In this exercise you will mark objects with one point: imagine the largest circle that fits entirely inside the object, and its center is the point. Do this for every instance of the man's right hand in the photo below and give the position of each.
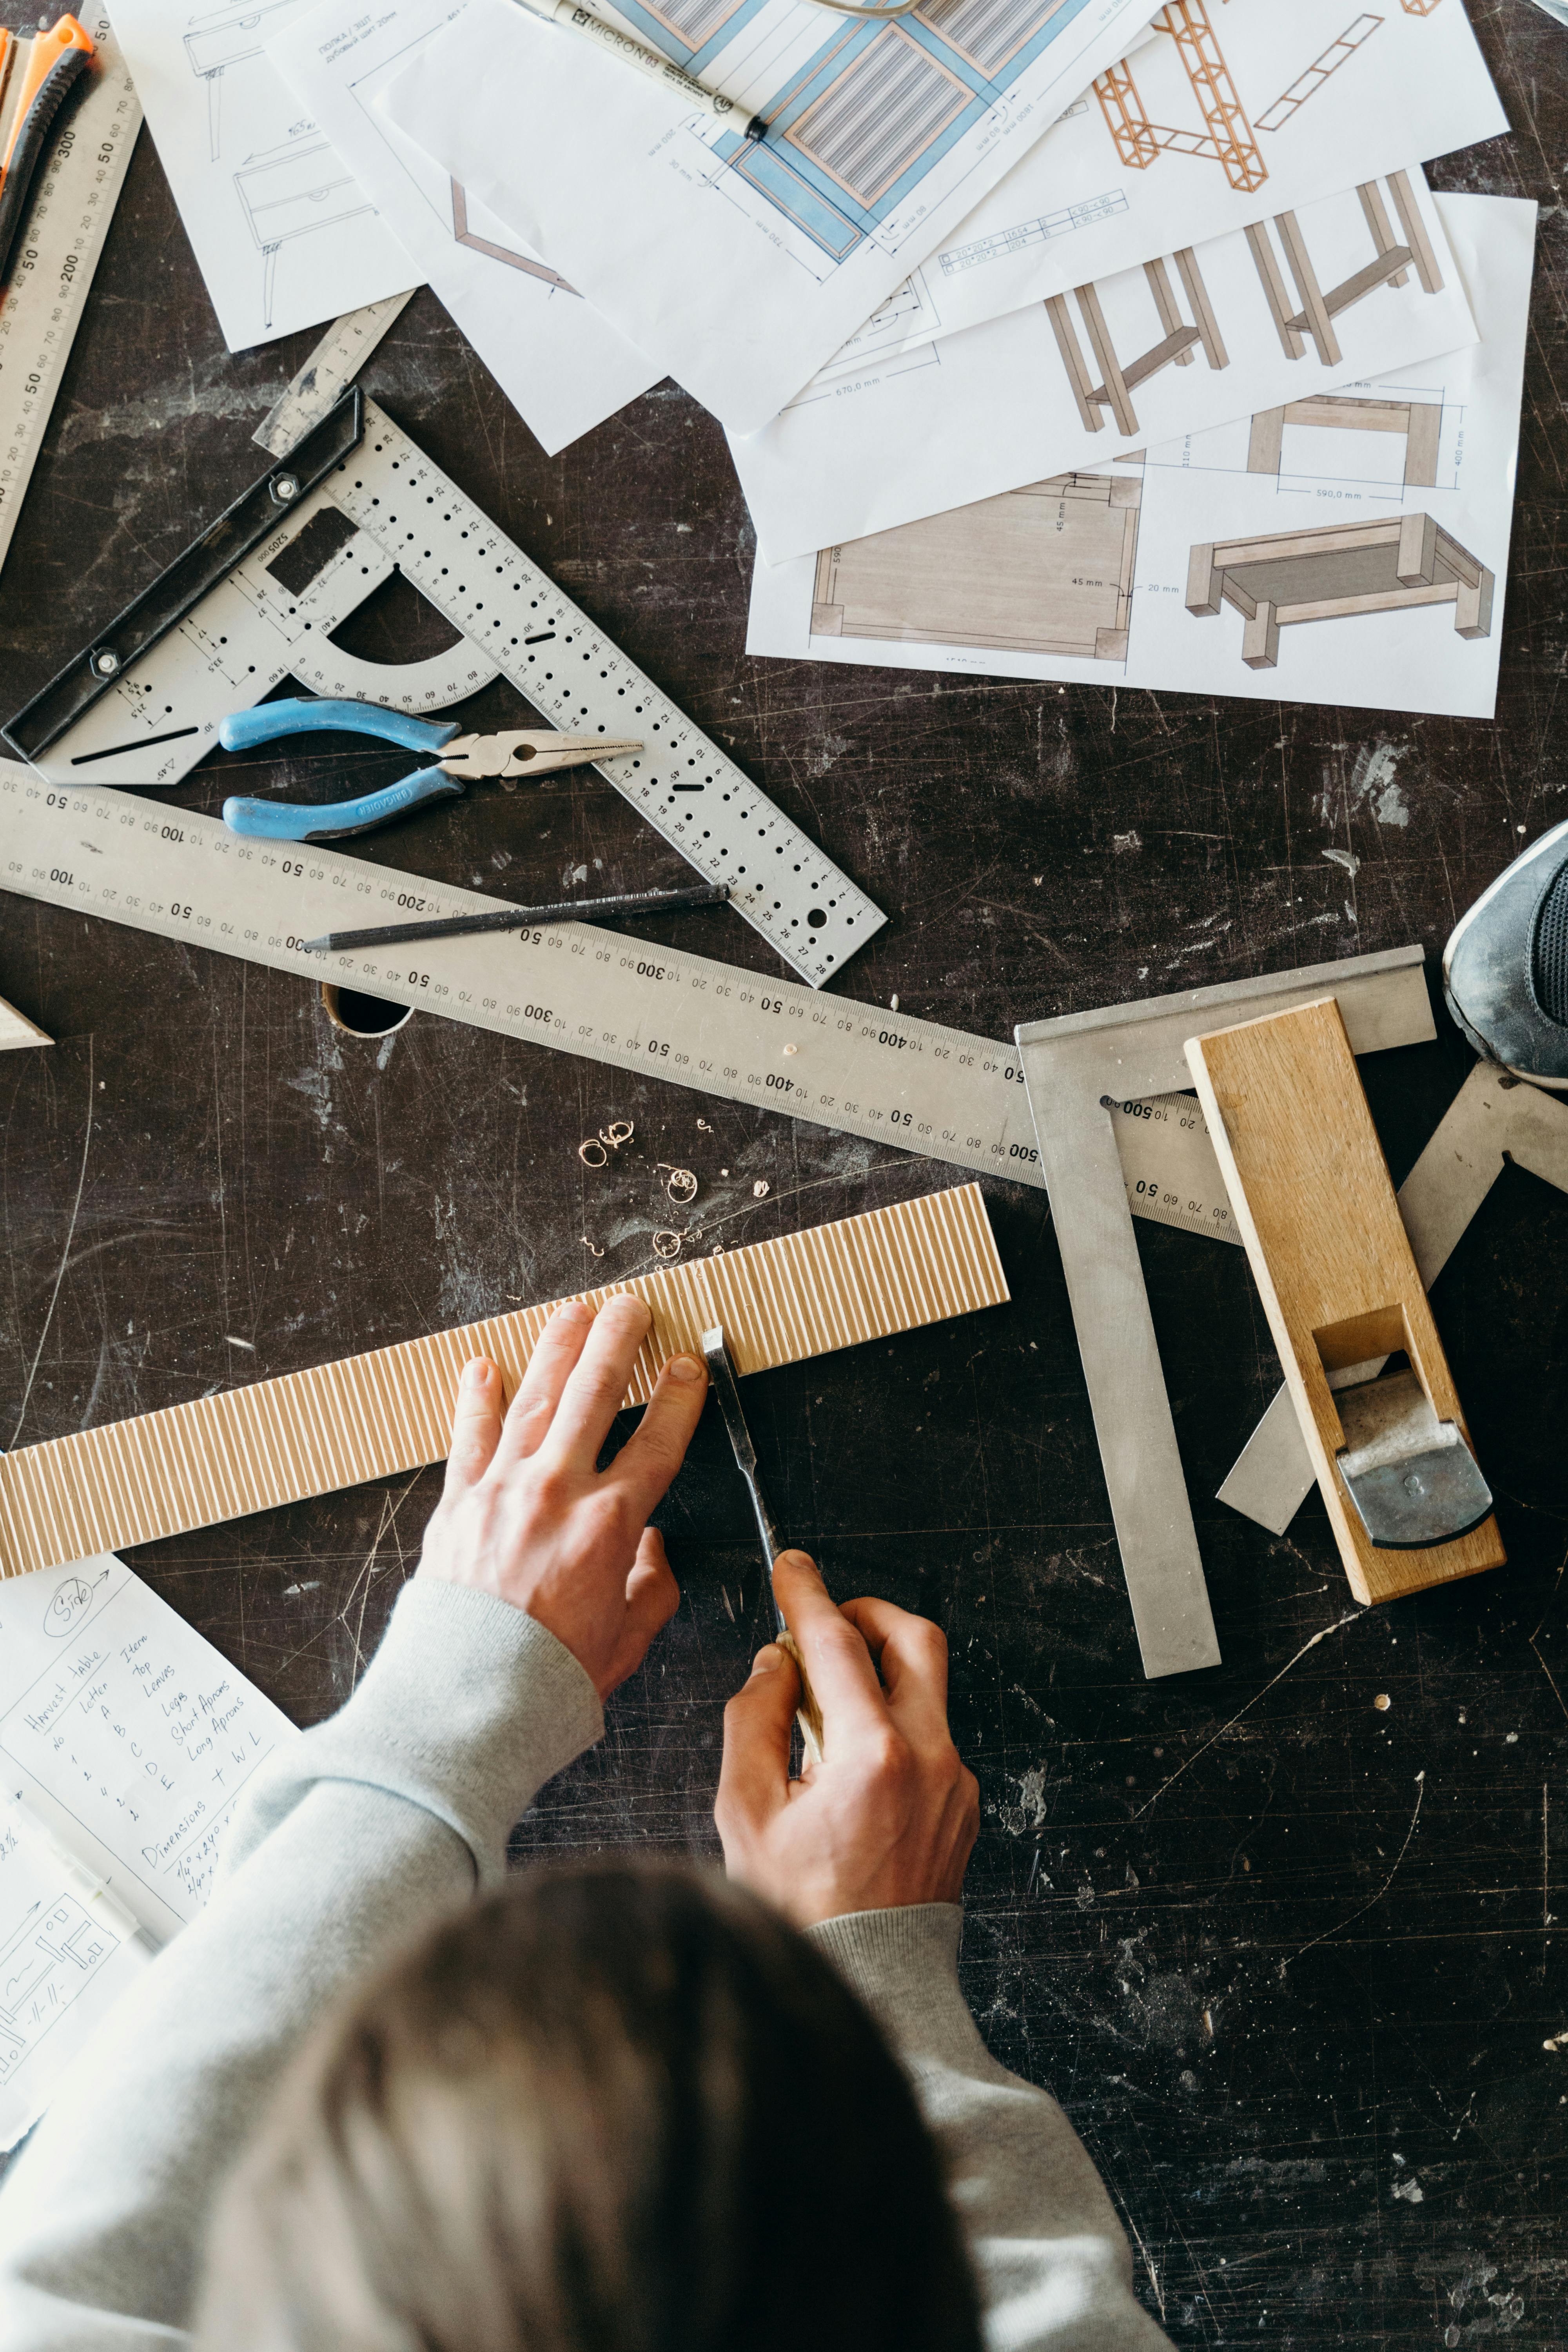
(889, 1815)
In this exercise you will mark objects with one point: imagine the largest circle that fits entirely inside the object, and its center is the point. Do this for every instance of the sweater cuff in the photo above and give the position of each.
(904, 1965)
(467, 1708)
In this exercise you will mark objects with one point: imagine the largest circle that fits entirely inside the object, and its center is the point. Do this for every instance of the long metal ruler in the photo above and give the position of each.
(686, 1018)
(72, 205)
(388, 508)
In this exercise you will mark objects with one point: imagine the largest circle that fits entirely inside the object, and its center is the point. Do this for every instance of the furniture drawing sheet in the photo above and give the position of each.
(560, 362)
(741, 267)
(126, 1733)
(1169, 348)
(1346, 549)
(68, 1952)
(1235, 111)
(283, 235)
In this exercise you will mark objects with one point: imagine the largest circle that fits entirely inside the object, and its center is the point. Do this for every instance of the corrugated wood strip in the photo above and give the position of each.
(310, 1433)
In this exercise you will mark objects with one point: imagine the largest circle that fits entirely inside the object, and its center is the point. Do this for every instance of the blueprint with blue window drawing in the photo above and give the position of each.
(738, 266)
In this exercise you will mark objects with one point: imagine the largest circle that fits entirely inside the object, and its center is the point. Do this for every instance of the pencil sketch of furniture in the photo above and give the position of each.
(1420, 421)
(227, 38)
(477, 244)
(1308, 82)
(1119, 381)
(1391, 266)
(1226, 137)
(290, 193)
(1045, 569)
(1337, 573)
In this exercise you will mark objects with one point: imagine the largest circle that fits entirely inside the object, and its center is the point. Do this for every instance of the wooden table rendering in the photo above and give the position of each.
(1281, 1936)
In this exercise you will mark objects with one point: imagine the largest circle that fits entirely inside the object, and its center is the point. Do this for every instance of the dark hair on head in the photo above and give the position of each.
(617, 2109)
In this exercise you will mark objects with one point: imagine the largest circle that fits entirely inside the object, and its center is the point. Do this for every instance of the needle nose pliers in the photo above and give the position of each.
(519, 753)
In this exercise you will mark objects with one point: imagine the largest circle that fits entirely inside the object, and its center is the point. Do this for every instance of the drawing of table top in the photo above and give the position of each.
(1338, 573)
(1047, 569)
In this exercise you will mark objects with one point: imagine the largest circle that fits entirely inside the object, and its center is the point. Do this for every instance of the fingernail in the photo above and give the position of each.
(576, 1310)
(476, 1374)
(797, 1560)
(768, 1660)
(686, 1368)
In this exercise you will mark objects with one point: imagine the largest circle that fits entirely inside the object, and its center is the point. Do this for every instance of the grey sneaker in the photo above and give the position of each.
(1505, 969)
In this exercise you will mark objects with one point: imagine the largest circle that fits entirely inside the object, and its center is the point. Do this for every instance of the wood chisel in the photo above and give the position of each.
(722, 1374)
(36, 78)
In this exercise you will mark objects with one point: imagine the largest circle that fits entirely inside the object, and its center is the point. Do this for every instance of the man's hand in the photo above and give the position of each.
(525, 1514)
(889, 1815)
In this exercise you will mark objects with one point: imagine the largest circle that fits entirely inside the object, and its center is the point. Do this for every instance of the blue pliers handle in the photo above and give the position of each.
(287, 820)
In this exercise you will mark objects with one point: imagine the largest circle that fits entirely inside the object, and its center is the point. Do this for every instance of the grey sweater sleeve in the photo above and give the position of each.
(1052, 2261)
(349, 1842)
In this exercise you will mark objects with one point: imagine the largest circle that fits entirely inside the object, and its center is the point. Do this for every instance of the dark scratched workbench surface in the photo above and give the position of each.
(1287, 1958)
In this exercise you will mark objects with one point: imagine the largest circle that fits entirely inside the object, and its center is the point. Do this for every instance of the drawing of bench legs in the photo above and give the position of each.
(1337, 573)
(290, 192)
(1118, 382)
(1420, 421)
(1389, 266)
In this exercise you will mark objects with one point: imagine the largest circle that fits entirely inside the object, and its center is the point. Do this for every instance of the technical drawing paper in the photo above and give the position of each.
(1306, 100)
(1138, 358)
(67, 1953)
(126, 1732)
(739, 266)
(1108, 577)
(283, 235)
(562, 365)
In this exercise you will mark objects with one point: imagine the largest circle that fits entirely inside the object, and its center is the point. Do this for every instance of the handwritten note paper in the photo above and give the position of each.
(67, 1952)
(127, 1732)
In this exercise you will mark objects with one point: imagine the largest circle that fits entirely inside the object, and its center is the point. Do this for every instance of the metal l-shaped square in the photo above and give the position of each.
(1074, 1068)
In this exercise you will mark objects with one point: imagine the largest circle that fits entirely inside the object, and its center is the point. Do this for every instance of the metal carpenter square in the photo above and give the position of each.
(331, 368)
(390, 508)
(1076, 1068)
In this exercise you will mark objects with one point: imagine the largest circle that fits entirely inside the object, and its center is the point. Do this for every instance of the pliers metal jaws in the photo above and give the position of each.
(517, 752)
(522, 753)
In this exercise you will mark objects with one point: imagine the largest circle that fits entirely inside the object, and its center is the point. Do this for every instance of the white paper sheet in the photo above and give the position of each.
(283, 235)
(739, 267)
(1091, 579)
(1324, 97)
(126, 1732)
(68, 1952)
(562, 365)
(877, 442)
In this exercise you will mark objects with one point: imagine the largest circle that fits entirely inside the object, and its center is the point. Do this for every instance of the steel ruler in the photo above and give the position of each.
(686, 1018)
(388, 508)
(331, 367)
(72, 204)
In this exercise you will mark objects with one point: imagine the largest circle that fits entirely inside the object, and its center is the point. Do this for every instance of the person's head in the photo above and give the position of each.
(616, 2109)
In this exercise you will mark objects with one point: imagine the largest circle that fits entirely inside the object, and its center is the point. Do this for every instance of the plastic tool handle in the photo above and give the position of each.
(37, 107)
(287, 821)
(243, 730)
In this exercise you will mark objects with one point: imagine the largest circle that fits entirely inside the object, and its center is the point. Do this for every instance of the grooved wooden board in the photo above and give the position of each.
(370, 1417)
